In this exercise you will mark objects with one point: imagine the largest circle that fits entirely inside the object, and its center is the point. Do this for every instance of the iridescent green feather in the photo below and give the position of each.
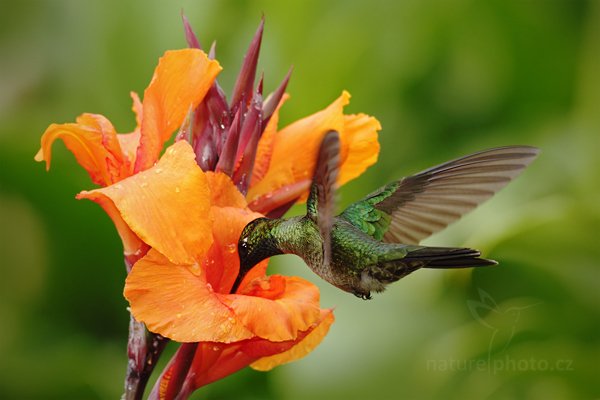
(365, 216)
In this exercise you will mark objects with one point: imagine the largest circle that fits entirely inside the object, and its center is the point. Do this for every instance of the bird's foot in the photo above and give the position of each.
(364, 296)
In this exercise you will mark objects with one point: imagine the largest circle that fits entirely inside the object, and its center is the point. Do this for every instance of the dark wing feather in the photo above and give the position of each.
(321, 202)
(413, 208)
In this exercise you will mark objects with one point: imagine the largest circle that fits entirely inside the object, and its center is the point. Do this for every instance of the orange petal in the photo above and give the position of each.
(93, 141)
(137, 108)
(167, 206)
(214, 361)
(258, 271)
(295, 310)
(223, 192)
(180, 82)
(132, 244)
(361, 148)
(130, 141)
(265, 145)
(295, 148)
(178, 304)
(301, 349)
(222, 263)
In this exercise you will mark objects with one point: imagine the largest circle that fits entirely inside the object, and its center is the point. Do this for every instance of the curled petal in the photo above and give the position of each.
(130, 141)
(222, 263)
(257, 272)
(93, 141)
(180, 82)
(280, 309)
(294, 154)
(302, 348)
(138, 109)
(166, 206)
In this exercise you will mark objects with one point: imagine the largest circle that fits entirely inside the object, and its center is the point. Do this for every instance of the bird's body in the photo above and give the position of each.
(359, 263)
(375, 241)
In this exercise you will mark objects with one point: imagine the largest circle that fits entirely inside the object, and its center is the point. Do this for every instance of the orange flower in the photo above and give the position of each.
(180, 81)
(183, 292)
(180, 222)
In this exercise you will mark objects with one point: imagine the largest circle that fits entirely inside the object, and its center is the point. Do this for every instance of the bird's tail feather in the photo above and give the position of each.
(447, 257)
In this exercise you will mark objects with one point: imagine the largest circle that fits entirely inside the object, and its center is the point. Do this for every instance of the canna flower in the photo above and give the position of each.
(268, 321)
(180, 81)
(180, 215)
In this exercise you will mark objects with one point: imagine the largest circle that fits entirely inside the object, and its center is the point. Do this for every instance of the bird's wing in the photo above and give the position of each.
(411, 209)
(321, 201)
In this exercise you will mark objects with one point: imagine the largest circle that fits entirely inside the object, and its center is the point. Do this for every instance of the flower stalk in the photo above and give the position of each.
(143, 351)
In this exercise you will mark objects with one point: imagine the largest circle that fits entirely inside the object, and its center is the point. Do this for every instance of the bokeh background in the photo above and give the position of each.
(444, 78)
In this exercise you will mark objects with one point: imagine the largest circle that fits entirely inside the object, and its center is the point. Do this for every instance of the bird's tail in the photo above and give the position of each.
(446, 257)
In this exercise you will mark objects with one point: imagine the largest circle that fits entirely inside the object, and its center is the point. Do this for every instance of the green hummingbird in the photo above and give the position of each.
(375, 241)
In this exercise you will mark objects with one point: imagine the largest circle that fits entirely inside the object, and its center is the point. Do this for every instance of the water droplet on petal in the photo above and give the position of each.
(143, 184)
(177, 190)
(158, 170)
(195, 268)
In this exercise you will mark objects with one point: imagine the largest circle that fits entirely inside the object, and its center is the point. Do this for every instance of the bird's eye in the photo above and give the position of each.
(243, 247)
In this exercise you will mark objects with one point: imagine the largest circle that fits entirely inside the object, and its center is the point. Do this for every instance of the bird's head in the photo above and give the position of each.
(256, 243)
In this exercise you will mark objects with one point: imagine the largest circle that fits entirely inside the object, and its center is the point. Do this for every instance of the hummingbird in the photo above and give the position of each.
(375, 241)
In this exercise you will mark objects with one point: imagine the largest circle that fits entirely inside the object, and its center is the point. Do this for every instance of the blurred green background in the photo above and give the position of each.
(444, 78)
